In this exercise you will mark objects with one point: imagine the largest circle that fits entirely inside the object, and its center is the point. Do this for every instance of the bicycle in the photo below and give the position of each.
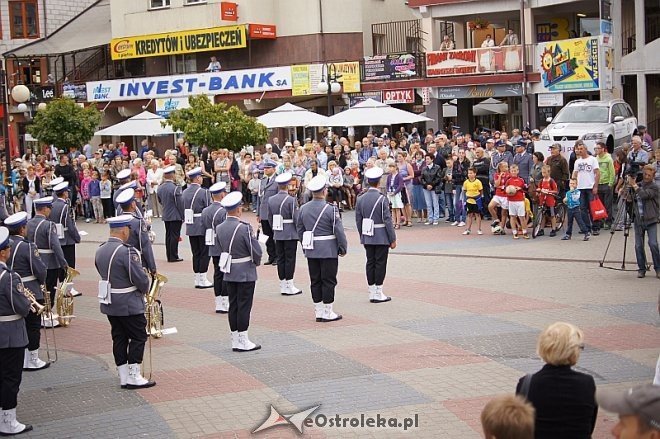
(542, 213)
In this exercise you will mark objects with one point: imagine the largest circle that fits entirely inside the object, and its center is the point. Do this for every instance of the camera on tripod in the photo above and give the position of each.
(634, 169)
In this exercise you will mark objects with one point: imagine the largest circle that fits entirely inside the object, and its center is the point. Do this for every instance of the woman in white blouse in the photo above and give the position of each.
(154, 179)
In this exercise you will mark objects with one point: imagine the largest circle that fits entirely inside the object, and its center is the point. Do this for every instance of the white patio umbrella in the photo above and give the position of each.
(289, 115)
(143, 124)
(371, 113)
(490, 106)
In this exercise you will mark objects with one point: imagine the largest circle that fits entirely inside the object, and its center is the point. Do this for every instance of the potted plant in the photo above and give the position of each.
(478, 23)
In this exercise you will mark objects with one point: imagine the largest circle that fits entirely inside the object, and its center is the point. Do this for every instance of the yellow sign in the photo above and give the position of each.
(175, 43)
(300, 84)
(350, 76)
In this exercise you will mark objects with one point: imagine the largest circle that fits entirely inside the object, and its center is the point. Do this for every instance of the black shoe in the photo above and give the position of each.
(541, 233)
(143, 386)
(595, 232)
(553, 233)
(641, 274)
(217, 311)
(176, 260)
(380, 301)
(269, 262)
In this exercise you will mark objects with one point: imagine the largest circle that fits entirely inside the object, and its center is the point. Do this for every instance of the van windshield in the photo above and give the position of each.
(583, 114)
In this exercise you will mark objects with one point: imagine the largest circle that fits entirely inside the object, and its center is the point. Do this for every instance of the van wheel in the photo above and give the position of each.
(610, 145)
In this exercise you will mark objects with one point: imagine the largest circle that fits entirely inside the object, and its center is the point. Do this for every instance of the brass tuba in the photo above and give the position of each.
(154, 308)
(64, 299)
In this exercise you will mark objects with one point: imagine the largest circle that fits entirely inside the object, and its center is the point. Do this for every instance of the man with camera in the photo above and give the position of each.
(637, 154)
(646, 203)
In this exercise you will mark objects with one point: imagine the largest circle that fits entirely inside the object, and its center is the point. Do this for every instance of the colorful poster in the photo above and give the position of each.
(350, 76)
(569, 65)
(465, 62)
(175, 43)
(389, 67)
(300, 85)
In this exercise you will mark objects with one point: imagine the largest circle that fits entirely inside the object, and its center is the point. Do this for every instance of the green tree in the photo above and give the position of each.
(217, 126)
(64, 123)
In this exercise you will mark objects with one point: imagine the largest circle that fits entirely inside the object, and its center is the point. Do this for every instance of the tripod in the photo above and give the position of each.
(626, 215)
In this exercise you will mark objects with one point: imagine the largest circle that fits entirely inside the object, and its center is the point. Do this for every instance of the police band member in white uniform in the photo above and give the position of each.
(123, 177)
(282, 218)
(43, 233)
(240, 254)
(14, 307)
(169, 196)
(121, 295)
(139, 237)
(62, 215)
(26, 262)
(267, 188)
(212, 217)
(195, 200)
(321, 233)
(374, 224)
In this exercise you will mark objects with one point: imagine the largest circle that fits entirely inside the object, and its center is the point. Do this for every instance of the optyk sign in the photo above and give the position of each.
(228, 82)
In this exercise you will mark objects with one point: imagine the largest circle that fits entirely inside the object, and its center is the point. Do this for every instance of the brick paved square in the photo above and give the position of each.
(351, 394)
(347, 337)
(643, 312)
(500, 348)
(622, 337)
(411, 356)
(274, 344)
(457, 326)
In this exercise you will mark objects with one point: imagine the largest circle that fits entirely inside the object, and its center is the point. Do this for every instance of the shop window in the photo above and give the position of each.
(27, 72)
(24, 19)
(186, 63)
(156, 4)
(194, 2)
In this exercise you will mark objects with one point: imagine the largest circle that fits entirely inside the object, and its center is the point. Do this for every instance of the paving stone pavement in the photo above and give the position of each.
(461, 328)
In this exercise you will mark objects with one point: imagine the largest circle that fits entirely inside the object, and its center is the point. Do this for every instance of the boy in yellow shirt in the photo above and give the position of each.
(473, 190)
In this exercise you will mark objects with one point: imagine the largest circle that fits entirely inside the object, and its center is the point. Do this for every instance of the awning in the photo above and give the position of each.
(91, 28)
(143, 124)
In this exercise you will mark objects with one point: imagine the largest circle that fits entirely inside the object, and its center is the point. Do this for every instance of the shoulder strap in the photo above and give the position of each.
(192, 203)
(319, 218)
(282, 204)
(380, 197)
(214, 216)
(13, 257)
(231, 242)
(112, 258)
(524, 388)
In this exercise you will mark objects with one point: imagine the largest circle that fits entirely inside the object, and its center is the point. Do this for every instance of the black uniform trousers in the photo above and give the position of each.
(219, 288)
(270, 243)
(286, 258)
(11, 373)
(33, 328)
(70, 256)
(323, 279)
(241, 295)
(172, 236)
(200, 254)
(376, 263)
(129, 334)
(52, 277)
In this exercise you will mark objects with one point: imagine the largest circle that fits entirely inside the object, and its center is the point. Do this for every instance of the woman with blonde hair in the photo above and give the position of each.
(564, 399)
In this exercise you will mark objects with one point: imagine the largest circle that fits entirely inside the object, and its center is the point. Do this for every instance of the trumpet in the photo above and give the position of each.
(35, 306)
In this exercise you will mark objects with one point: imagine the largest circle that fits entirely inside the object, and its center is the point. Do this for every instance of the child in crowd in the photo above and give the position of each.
(500, 199)
(106, 195)
(95, 197)
(253, 187)
(448, 190)
(508, 417)
(515, 191)
(349, 182)
(88, 211)
(546, 190)
(394, 187)
(473, 190)
(572, 201)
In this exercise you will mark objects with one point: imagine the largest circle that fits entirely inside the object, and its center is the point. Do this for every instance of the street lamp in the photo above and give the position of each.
(329, 86)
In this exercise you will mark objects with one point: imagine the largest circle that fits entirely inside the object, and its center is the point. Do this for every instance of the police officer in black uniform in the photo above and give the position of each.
(169, 195)
(121, 295)
(14, 307)
(321, 233)
(26, 262)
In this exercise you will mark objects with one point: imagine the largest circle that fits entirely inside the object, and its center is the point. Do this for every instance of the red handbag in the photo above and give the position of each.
(597, 209)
